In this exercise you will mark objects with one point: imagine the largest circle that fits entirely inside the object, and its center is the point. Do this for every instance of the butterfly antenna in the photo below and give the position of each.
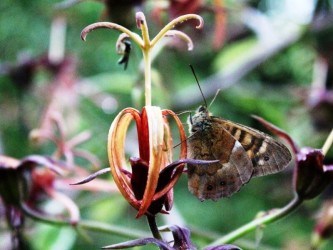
(183, 112)
(195, 76)
(216, 94)
(185, 139)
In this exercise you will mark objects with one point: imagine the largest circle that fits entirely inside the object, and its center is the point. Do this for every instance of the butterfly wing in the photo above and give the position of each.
(222, 179)
(268, 156)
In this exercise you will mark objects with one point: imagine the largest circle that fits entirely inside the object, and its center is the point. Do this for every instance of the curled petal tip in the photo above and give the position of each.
(201, 22)
(91, 27)
(83, 37)
(182, 36)
(94, 26)
(84, 34)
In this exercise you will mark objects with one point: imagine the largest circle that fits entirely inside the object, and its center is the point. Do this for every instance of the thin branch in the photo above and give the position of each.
(268, 219)
(85, 224)
(328, 143)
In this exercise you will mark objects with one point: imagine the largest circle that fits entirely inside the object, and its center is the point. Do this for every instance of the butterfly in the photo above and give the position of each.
(243, 153)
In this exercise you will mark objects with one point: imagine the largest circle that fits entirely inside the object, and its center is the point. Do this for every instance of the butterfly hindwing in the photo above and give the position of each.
(222, 179)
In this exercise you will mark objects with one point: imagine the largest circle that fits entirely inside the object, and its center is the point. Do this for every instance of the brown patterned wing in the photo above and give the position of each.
(214, 181)
(268, 156)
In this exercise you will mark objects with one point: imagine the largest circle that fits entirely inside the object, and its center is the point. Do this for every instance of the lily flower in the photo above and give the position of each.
(19, 187)
(144, 185)
(148, 187)
(21, 182)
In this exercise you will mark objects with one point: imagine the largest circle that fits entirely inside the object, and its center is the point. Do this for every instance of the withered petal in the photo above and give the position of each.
(116, 152)
(171, 173)
(223, 247)
(328, 168)
(7, 162)
(153, 115)
(140, 242)
(45, 161)
(182, 134)
(92, 176)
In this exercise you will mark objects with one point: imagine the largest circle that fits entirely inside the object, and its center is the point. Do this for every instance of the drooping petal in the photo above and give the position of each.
(116, 152)
(170, 174)
(153, 115)
(92, 176)
(71, 207)
(140, 242)
(182, 135)
(223, 247)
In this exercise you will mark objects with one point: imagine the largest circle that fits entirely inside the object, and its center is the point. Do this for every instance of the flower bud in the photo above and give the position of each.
(310, 179)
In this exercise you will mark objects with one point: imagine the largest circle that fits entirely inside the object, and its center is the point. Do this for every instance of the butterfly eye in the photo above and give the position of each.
(202, 109)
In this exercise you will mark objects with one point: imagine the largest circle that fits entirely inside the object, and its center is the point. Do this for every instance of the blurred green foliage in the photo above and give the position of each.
(277, 89)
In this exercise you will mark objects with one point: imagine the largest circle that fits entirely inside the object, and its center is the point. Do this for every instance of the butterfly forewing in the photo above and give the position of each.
(268, 156)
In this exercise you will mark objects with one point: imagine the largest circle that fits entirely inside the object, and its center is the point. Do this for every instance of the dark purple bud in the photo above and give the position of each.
(181, 236)
(310, 178)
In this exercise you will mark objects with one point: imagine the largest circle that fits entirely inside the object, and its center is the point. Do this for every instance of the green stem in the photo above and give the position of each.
(146, 50)
(147, 68)
(251, 226)
(328, 143)
(85, 224)
(153, 227)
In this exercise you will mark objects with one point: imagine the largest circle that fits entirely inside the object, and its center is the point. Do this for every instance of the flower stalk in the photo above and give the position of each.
(154, 137)
(148, 187)
(267, 219)
(93, 226)
(328, 143)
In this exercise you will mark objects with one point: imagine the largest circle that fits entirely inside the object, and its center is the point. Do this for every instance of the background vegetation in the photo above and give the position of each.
(269, 58)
